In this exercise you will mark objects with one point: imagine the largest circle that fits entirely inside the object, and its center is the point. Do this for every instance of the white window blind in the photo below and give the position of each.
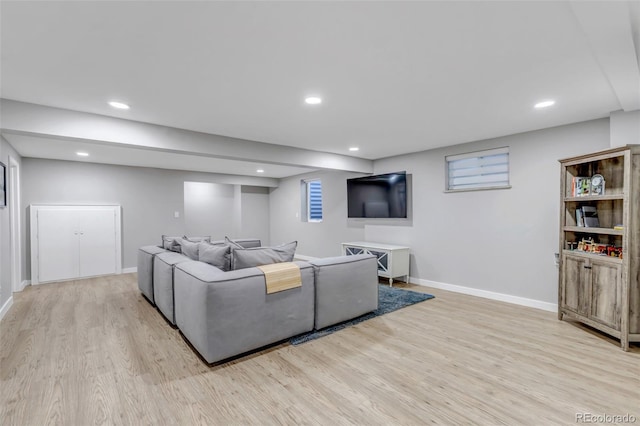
(478, 170)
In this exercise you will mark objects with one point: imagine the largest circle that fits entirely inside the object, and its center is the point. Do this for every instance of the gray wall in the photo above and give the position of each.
(501, 241)
(316, 239)
(255, 214)
(6, 150)
(625, 128)
(209, 209)
(219, 210)
(149, 197)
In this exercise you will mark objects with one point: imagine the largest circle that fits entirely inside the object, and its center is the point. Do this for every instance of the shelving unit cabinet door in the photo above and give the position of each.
(575, 286)
(97, 242)
(606, 293)
(57, 240)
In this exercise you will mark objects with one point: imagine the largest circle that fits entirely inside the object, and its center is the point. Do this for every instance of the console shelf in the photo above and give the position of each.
(393, 261)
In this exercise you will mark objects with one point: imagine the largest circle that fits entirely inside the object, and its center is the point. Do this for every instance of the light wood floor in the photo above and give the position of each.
(95, 352)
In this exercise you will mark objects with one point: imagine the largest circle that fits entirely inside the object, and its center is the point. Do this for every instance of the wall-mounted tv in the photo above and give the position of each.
(377, 196)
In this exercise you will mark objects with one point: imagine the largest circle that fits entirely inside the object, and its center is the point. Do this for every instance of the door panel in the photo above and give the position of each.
(57, 245)
(606, 293)
(575, 286)
(97, 242)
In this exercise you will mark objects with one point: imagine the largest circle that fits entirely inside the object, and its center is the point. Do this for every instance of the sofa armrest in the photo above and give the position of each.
(163, 266)
(346, 287)
(146, 257)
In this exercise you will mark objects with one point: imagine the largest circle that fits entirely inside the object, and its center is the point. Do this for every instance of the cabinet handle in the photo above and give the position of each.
(587, 267)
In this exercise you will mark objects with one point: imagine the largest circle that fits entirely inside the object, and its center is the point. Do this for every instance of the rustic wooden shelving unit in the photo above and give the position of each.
(601, 291)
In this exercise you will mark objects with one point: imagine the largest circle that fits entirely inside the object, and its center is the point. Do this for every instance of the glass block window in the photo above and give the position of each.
(314, 200)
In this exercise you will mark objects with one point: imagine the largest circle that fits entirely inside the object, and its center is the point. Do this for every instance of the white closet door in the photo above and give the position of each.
(97, 242)
(57, 245)
(69, 242)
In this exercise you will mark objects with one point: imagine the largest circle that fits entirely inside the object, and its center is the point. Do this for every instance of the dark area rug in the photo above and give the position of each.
(390, 299)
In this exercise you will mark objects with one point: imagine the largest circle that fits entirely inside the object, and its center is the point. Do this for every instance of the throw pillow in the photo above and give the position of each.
(232, 244)
(171, 243)
(256, 256)
(189, 249)
(216, 255)
(197, 239)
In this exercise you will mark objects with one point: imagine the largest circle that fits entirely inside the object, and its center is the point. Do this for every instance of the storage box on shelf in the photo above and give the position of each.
(599, 282)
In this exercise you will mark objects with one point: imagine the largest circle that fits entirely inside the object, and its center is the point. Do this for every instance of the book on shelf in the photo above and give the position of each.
(590, 217)
(618, 227)
(579, 218)
(580, 186)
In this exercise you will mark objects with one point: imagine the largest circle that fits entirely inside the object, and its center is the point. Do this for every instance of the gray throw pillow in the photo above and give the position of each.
(198, 239)
(232, 244)
(256, 256)
(189, 249)
(171, 243)
(216, 255)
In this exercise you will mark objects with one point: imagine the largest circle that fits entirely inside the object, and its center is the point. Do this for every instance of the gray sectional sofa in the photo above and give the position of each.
(227, 313)
(146, 261)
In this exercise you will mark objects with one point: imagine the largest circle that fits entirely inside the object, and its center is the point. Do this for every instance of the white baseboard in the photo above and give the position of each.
(24, 284)
(303, 257)
(129, 270)
(5, 307)
(523, 301)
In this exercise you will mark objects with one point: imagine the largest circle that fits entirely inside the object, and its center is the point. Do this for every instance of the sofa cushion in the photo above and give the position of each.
(248, 242)
(243, 242)
(216, 255)
(188, 248)
(247, 258)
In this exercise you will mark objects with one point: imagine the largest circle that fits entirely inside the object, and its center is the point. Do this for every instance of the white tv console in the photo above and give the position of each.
(393, 261)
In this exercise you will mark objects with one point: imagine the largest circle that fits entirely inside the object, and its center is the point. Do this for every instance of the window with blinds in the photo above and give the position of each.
(478, 170)
(314, 201)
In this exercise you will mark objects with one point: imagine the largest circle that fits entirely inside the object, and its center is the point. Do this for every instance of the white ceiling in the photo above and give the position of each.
(396, 77)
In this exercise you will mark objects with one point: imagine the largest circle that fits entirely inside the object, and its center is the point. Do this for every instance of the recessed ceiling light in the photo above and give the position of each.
(544, 104)
(82, 154)
(354, 148)
(119, 105)
(260, 171)
(313, 100)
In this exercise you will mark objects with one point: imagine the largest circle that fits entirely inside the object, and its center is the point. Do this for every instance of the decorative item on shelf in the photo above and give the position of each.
(571, 245)
(580, 186)
(618, 227)
(590, 217)
(599, 249)
(597, 184)
(585, 244)
(614, 251)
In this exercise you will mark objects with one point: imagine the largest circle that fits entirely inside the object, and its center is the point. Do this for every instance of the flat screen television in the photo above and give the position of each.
(377, 196)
